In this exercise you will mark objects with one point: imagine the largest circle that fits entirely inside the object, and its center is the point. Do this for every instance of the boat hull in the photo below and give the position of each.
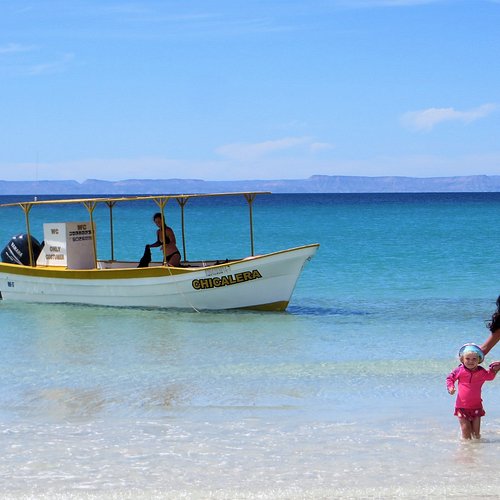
(263, 282)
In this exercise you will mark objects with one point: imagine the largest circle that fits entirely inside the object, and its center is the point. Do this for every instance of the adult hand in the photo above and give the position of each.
(495, 366)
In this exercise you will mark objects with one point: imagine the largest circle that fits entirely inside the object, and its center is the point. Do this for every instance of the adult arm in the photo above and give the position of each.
(157, 243)
(494, 328)
(491, 341)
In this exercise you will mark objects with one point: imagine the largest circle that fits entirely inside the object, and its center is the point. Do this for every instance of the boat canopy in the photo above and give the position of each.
(161, 200)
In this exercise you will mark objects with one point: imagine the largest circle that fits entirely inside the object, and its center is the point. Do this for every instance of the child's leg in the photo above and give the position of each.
(466, 427)
(476, 428)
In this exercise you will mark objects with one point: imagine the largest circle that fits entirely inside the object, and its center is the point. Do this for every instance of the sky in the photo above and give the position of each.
(248, 89)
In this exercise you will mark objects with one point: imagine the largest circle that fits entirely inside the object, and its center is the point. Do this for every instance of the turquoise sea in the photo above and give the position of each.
(342, 396)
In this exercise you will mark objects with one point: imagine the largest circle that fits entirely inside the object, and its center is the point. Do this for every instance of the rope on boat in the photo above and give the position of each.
(190, 304)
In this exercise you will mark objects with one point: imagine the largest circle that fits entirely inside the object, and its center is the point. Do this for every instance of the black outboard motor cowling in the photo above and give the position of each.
(17, 252)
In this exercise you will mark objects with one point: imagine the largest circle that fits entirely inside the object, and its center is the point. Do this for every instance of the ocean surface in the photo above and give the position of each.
(342, 396)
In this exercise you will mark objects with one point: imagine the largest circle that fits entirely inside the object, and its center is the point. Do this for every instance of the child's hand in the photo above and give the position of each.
(451, 390)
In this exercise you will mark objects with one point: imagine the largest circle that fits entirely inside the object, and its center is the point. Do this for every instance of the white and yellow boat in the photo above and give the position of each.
(67, 269)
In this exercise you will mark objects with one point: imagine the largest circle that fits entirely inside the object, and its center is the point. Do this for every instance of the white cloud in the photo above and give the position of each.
(253, 151)
(14, 63)
(14, 48)
(113, 169)
(436, 165)
(385, 3)
(426, 119)
(52, 67)
(316, 147)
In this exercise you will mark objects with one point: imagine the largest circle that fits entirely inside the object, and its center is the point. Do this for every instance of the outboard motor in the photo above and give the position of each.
(17, 252)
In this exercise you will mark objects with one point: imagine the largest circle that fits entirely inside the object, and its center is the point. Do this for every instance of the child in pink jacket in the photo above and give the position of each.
(470, 377)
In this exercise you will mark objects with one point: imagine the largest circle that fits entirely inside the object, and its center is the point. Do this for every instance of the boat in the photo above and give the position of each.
(66, 268)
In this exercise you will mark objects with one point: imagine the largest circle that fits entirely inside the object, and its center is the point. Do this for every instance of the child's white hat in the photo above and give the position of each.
(472, 348)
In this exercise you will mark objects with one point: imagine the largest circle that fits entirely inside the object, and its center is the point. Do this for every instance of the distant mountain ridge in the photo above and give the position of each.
(314, 184)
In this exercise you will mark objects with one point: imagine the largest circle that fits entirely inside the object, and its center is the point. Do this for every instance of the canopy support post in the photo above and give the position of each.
(111, 204)
(26, 207)
(162, 202)
(250, 197)
(182, 203)
(90, 206)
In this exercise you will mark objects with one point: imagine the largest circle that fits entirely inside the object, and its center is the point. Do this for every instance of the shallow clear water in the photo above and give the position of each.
(342, 396)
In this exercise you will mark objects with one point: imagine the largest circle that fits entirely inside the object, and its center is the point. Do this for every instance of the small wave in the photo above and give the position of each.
(324, 311)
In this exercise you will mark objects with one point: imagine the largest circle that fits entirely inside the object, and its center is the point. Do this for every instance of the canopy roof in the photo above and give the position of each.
(159, 197)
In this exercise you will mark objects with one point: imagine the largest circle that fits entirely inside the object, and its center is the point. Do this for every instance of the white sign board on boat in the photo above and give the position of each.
(67, 244)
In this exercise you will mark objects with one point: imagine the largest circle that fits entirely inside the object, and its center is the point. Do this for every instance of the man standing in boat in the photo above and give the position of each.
(172, 254)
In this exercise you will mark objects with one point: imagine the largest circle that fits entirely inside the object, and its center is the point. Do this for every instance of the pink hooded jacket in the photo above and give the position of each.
(469, 385)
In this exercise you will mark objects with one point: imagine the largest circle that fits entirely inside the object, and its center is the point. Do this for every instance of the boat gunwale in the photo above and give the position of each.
(133, 272)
